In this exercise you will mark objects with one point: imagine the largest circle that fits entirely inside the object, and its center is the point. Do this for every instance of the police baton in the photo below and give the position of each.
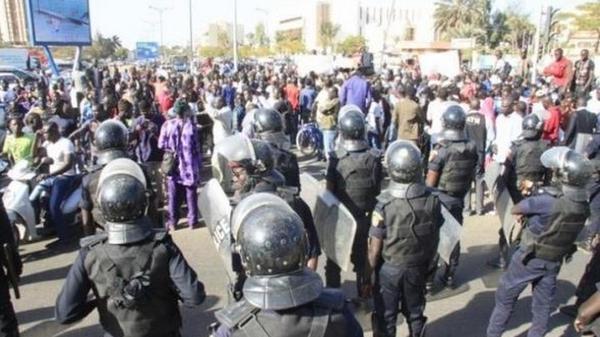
(13, 278)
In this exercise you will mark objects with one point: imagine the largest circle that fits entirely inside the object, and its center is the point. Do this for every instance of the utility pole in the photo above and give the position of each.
(536, 45)
(235, 41)
(191, 39)
(160, 11)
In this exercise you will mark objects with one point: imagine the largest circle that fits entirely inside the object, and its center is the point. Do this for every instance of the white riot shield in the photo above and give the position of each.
(216, 210)
(449, 235)
(336, 227)
(492, 173)
(582, 141)
(504, 205)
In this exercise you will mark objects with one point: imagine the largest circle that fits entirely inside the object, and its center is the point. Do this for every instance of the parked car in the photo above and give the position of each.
(25, 76)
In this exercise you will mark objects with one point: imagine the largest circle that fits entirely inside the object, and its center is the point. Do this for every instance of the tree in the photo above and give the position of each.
(453, 17)
(104, 47)
(327, 33)
(351, 44)
(587, 17)
(121, 53)
(289, 43)
(224, 40)
(520, 30)
(498, 29)
(260, 35)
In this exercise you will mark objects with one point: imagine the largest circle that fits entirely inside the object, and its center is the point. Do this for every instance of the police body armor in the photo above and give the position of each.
(131, 283)
(459, 170)
(287, 164)
(321, 317)
(357, 186)
(528, 165)
(558, 241)
(412, 238)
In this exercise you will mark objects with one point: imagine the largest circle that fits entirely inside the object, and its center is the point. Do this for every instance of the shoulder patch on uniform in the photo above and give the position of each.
(234, 314)
(93, 240)
(376, 218)
(331, 298)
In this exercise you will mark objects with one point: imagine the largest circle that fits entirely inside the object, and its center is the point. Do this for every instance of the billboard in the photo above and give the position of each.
(147, 51)
(60, 22)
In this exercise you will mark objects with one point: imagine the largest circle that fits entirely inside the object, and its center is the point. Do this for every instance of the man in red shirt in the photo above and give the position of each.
(292, 94)
(560, 70)
(552, 123)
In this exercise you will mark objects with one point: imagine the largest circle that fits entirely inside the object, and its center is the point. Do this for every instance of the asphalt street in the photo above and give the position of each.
(463, 315)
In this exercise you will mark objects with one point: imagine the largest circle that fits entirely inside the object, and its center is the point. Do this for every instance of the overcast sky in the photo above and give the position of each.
(133, 20)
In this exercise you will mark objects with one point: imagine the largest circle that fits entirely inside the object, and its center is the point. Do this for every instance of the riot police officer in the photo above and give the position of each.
(137, 274)
(281, 296)
(524, 158)
(251, 164)
(110, 140)
(354, 175)
(268, 126)
(555, 216)
(451, 170)
(8, 320)
(405, 234)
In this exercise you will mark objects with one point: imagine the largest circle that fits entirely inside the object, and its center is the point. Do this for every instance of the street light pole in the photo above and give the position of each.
(191, 39)
(160, 11)
(235, 49)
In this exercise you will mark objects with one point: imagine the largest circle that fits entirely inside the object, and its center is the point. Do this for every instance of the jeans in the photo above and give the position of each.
(374, 140)
(175, 191)
(60, 189)
(538, 273)
(328, 140)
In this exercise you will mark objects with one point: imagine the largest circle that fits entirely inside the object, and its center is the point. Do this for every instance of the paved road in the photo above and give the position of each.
(463, 315)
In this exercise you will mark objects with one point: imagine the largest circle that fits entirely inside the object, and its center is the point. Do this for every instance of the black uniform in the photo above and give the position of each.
(286, 163)
(8, 320)
(355, 178)
(154, 270)
(408, 222)
(327, 314)
(456, 162)
(525, 163)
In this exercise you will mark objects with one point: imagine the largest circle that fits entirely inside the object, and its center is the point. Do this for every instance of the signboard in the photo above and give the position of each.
(147, 51)
(14, 57)
(446, 63)
(59, 22)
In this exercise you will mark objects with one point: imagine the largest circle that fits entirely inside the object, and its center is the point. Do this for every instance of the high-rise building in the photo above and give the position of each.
(13, 22)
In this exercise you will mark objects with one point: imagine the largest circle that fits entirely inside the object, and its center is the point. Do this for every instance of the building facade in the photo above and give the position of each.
(13, 22)
(216, 32)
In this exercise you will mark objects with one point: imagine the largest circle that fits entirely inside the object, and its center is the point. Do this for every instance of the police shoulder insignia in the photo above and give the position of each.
(433, 154)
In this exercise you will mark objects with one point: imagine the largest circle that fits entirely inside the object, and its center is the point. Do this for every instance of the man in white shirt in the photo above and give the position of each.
(375, 121)
(223, 120)
(508, 129)
(435, 110)
(593, 104)
(60, 157)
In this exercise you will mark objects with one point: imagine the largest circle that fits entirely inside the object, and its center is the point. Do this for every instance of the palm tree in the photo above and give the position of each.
(520, 30)
(327, 34)
(451, 15)
(116, 41)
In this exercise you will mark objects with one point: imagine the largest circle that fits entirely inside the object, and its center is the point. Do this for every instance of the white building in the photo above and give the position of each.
(383, 23)
(210, 35)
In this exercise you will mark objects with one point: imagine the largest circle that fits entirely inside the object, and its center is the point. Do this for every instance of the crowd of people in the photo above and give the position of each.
(124, 132)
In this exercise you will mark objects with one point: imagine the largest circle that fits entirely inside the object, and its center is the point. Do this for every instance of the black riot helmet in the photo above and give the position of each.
(123, 201)
(570, 167)
(111, 140)
(351, 123)
(404, 162)
(532, 127)
(453, 123)
(268, 126)
(272, 243)
(267, 120)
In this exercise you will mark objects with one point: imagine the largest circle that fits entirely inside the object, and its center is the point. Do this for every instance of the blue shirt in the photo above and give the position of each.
(307, 98)
(538, 210)
(229, 95)
(356, 90)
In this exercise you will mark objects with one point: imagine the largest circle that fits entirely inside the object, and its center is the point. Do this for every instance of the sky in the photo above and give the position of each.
(133, 20)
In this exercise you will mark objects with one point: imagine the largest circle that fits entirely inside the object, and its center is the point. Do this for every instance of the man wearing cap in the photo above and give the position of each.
(137, 274)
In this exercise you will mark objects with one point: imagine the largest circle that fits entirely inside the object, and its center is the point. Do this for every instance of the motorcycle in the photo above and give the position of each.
(22, 211)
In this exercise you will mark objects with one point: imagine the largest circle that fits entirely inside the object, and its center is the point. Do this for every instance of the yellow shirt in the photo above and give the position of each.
(19, 148)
